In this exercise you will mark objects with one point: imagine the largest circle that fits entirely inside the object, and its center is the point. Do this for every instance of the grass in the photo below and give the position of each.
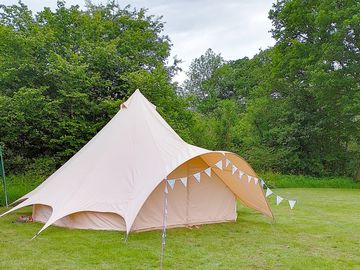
(322, 232)
(300, 181)
(18, 185)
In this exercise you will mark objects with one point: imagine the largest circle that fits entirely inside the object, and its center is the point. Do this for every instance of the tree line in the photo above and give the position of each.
(293, 108)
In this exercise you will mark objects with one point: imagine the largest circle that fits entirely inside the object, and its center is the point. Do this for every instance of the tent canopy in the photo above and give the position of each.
(119, 168)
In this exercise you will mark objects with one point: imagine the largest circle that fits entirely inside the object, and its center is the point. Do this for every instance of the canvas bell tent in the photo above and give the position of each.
(119, 179)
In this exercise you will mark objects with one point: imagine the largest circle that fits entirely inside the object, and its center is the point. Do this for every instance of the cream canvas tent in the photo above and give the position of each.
(117, 180)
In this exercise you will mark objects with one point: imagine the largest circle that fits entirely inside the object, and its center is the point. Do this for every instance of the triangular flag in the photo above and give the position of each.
(166, 189)
(268, 192)
(256, 180)
(249, 178)
(292, 203)
(262, 183)
(227, 162)
(233, 169)
(171, 183)
(184, 181)
(246, 176)
(241, 173)
(278, 199)
(219, 164)
(197, 177)
(208, 172)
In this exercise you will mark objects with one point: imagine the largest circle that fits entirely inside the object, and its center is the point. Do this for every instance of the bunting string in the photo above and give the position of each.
(234, 171)
(279, 198)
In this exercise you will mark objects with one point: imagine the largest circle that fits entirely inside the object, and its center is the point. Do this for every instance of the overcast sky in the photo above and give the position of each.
(234, 28)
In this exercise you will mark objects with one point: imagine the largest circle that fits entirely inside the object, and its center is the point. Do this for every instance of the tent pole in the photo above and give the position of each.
(126, 237)
(163, 235)
(3, 177)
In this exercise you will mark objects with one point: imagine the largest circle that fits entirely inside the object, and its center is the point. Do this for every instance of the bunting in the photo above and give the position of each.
(233, 169)
(208, 172)
(262, 183)
(292, 203)
(171, 183)
(227, 162)
(235, 172)
(197, 177)
(184, 181)
(279, 199)
(268, 192)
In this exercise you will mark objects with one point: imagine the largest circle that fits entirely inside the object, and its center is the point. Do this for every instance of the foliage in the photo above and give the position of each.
(298, 102)
(316, 64)
(64, 73)
(197, 87)
(292, 109)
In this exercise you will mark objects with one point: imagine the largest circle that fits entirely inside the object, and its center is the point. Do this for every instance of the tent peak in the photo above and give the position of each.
(137, 95)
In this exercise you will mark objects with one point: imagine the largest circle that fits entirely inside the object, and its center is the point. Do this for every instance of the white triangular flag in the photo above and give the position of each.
(227, 162)
(241, 173)
(183, 181)
(166, 189)
(262, 183)
(171, 183)
(249, 178)
(233, 169)
(256, 180)
(278, 199)
(268, 192)
(219, 164)
(197, 177)
(292, 203)
(208, 172)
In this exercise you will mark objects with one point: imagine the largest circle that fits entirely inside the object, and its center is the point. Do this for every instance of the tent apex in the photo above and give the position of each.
(137, 95)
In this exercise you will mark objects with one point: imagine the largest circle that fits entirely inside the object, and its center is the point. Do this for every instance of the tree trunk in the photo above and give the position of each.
(357, 175)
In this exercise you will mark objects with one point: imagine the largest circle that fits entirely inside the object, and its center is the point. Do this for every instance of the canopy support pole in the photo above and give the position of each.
(164, 225)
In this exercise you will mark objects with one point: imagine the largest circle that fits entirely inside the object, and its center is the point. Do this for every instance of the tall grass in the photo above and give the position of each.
(19, 185)
(299, 181)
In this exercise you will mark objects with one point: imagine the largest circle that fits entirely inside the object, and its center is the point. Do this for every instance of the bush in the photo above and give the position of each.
(43, 166)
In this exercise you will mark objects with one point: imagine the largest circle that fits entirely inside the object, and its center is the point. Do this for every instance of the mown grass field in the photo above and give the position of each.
(322, 232)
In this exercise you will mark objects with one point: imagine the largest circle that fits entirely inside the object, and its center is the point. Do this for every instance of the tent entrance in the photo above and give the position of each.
(193, 203)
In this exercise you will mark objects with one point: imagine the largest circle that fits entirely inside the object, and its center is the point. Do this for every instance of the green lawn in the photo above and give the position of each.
(322, 232)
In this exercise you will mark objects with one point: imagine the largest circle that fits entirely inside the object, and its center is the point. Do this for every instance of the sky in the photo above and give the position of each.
(233, 28)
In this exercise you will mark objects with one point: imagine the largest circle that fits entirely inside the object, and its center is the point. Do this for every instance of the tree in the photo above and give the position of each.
(316, 68)
(197, 86)
(63, 74)
(297, 103)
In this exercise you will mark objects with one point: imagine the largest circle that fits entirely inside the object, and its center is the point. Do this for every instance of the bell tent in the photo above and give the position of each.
(119, 179)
